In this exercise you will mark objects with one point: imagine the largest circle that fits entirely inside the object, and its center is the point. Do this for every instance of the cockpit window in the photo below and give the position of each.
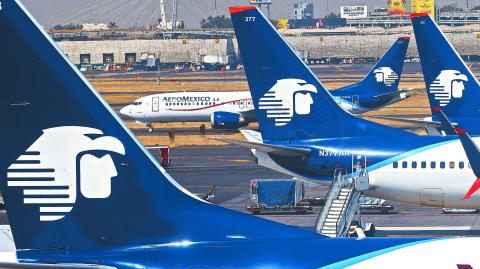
(137, 103)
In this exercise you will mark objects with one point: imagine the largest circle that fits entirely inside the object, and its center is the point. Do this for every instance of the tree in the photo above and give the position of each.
(450, 8)
(333, 20)
(70, 26)
(216, 22)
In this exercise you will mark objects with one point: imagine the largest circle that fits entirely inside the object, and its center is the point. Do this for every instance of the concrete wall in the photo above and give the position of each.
(332, 46)
(166, 50)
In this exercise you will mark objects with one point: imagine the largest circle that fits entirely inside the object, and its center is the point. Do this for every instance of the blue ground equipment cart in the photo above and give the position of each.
(272, 196)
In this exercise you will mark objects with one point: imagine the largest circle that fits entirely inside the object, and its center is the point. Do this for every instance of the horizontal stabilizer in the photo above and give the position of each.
(252, 136)
(413, 121)
(385, 95)
(269, 148)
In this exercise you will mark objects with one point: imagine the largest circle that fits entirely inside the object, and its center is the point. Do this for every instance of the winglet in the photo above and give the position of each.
(473, 189)
(460, 131)
(471, 150)
(237, 9)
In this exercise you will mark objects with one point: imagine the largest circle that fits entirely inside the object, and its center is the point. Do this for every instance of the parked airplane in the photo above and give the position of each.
(449, 82)
(304, 132)
(233, 110)
(82, 192)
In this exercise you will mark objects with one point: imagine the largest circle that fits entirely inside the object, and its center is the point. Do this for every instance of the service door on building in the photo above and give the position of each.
(155, 104)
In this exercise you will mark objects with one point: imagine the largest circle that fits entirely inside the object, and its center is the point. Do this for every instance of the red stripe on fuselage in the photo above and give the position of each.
(207, 107)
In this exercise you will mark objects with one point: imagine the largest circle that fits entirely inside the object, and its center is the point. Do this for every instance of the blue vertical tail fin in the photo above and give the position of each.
(385, 75)
(290, 102)
(73, 176)
(450, 83)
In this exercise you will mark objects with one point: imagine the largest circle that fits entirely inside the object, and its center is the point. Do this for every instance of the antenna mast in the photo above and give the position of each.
(163, 17)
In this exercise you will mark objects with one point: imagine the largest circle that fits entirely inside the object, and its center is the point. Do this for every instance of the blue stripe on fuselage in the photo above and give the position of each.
(380, 151)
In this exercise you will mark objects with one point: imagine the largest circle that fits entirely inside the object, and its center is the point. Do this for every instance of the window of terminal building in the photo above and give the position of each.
(130, 57)
(108, 58)
(85, 58)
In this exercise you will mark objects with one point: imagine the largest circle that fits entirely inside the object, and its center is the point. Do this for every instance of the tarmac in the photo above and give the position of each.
(230, 168)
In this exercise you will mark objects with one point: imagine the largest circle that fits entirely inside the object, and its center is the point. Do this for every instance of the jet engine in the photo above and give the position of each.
(227, 120)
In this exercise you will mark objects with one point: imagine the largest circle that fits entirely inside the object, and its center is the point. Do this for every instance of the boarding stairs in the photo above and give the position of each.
(341, 203)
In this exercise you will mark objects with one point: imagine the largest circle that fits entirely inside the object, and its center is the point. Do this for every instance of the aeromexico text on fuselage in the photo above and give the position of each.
(198, 106)
(187, 99)
(334, 153)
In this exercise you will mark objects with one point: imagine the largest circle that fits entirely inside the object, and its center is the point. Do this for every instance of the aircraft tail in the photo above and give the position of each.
(450, 83)
(385, 75)
(74, 176)
(290, 102)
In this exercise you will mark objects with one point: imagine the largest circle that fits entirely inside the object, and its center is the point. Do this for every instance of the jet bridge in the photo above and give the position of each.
(342, 202)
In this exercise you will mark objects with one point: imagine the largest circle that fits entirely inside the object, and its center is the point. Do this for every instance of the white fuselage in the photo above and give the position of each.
(187, 106)
(441, 187)
(199, 106)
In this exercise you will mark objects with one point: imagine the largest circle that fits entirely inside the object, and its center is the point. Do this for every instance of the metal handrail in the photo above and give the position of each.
(354, 194)
(336, 186)
(341, 220)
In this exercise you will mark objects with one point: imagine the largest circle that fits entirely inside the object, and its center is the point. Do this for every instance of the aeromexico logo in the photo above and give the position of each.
(385, 75)
(286, 98)
(62, 157)
(448, 85)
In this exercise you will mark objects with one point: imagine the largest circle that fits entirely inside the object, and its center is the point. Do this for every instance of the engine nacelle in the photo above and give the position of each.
(227, 120)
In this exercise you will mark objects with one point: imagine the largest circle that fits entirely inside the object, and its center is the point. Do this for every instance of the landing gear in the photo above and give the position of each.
(150, 127)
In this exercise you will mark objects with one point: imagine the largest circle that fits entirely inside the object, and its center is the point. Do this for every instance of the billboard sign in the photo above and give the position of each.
(424, 6)
(397, 7)
(353, 12)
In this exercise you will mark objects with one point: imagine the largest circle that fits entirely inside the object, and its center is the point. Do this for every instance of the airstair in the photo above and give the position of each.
(341, 203)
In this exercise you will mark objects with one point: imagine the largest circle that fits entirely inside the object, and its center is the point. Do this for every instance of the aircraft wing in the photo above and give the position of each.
(269, 148)
(471, 149)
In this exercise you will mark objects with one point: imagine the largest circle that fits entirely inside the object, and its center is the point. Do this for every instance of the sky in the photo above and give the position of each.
(133, 13)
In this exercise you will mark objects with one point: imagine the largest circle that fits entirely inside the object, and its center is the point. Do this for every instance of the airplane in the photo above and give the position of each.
(305, 134)
(233, 110)
(225, 110)
(449, 81)
(82, 192)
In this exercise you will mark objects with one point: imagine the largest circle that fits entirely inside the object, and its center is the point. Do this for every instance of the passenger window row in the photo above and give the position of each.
(433, 165)
(191, 104)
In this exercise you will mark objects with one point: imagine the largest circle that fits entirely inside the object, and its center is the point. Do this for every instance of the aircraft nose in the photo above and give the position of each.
(126, 111)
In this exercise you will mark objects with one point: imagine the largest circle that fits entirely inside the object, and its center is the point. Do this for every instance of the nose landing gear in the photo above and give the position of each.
(150, 127)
